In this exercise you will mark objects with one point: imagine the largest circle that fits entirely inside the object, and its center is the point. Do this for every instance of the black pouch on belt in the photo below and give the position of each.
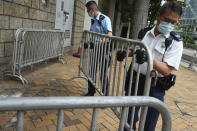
(167, 82)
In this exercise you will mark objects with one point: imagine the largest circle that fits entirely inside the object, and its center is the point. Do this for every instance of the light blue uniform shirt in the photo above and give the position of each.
(105, 26)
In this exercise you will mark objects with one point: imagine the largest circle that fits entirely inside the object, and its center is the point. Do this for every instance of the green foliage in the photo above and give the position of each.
(154, 8)
(126, 17)
(187, 38)
(192, 46)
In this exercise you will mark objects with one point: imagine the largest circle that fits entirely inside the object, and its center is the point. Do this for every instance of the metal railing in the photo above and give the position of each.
(32, 46)
(100, 66)
(60, 103)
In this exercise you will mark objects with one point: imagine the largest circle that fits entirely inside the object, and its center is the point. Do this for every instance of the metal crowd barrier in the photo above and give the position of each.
(60, 103)
(32, 46)
(99, 56)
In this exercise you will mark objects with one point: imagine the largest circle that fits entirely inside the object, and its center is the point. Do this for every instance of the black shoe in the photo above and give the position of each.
(89, 94)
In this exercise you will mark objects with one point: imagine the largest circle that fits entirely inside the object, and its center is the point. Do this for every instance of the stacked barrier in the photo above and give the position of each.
(60, 103)
(32, 46)
(99, 56)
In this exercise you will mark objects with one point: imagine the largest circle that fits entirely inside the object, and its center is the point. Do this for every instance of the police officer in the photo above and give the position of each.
(100, 24)
(165, 60)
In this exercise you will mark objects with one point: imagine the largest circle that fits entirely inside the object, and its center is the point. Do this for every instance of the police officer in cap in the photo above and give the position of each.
(100, 24)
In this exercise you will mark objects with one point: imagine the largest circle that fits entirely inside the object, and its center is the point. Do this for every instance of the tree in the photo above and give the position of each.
(154, 8)
(139, 17)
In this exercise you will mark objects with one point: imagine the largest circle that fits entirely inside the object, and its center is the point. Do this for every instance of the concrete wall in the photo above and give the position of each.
(16, 14)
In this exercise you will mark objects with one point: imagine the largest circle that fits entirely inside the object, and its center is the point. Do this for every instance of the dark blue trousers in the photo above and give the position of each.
(152, 114)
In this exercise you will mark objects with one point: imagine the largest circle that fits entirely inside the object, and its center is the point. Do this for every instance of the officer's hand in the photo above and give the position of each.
(91, 45)
(85, 45)
(120, 55)
(141, 56)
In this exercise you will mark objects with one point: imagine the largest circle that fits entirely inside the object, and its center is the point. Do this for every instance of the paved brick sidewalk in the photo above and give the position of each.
(51, 79)
(182, 101)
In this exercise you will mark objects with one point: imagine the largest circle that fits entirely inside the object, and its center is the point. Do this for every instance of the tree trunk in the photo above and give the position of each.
(139, 17)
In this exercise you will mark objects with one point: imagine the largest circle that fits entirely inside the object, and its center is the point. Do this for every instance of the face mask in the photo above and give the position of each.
(165, 28)
(91, 15)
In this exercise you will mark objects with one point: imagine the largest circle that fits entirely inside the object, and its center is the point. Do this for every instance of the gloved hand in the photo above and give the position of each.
(91, 45)
(85, 45)
(120, 55)
(141, 56)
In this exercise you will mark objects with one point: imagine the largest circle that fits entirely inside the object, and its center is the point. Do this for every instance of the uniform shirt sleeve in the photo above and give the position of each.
(173, 54)
(108, 24)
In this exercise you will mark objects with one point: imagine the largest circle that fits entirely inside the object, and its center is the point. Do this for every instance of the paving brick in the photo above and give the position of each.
(54, 122)
(100, 127)
(109, 126)
(39, 83)
(86, 122)
(68, 113)
(51, 128)
(110, 120)
(81, 127)
(9, 129)
(88, 116)
(39, 129)
(69, 122)
(77, 116)
(28, 125)
(43, 123)
(49, 117)
(70, 128)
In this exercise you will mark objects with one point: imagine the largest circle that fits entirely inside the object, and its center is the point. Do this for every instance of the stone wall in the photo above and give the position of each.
(16, 14)
(78, 25)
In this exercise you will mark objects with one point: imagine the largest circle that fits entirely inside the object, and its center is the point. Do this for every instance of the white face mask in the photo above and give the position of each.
(165, 28)
(91, 15)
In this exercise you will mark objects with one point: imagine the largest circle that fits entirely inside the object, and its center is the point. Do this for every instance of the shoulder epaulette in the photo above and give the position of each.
(143, 32)
(101, 17)
(173, 36)
(92, 21)
(176, 36)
